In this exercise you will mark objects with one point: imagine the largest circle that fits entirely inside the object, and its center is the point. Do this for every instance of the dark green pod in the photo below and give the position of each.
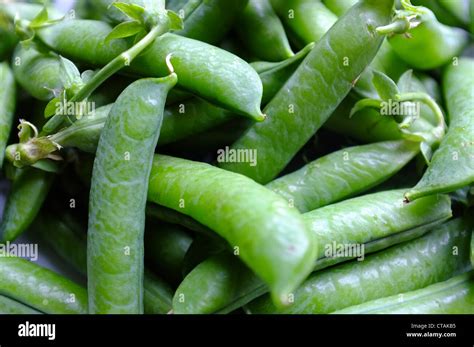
(7, 106)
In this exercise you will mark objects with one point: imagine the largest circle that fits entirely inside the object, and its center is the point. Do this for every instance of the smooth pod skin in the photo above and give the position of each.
(452, 165)
(165, 249)
(302, 105)
(30, 188)
(376, 221)
(118, 197)
(209, 20)
(262, 32)
(459, 8)
(7, 106)
(40, 288)
(406, 267)
(454, 296)
(308, 20)
(270, 237)
(38, 73)
(339, 7)
(68, 239)
(344, 173)
(431, 44)
(9, 306)
(223, 79)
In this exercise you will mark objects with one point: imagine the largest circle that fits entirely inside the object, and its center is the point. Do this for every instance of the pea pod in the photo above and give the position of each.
(431, 44)
(24, 201)
(224, 79)
(454, 296)
(308, 20)
(40, 288)
(302, 105)
(262, 32)
(460, 9)
(7, 106)
(339, 7)
(68, 239)
(9, 306)
(376, 221)
(343, 173)
(452, 165)
(432, 258)
(209, 20)
(272, 239)
(121, 169)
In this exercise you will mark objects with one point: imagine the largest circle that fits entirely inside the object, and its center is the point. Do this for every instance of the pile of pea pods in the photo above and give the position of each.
(237, 156)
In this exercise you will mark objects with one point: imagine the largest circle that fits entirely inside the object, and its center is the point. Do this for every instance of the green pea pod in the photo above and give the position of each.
(339, 7)
(459, 8)
(210, 20)
(308, 20)
(7, 106)
(38, 73)
(26, 11)
(431, 44)
(302, 105)
(454, 296)
(9, 306)
(452, 164)
(40, 288)
(224, 79)
(165, 249)
(272, 239)
(68, 240)
(440, 12)
(344, 173)
(376, 221)
(274, 75)
(118, 197)
(432, 258)
(262, 32)
(24, 201)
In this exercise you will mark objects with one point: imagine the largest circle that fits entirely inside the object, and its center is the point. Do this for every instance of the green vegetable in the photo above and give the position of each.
(9, 306)
(7, 106)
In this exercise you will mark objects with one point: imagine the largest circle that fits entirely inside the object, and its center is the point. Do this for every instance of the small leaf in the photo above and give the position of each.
(51, 107)
(87, 75)
(140, 36)
(70, 74)
(47, 165)
(132, 11)
(365, 103)
(384, 85)
(426, 151)
(41, 18)
(405, 81)
(123, 30)
(175, 21)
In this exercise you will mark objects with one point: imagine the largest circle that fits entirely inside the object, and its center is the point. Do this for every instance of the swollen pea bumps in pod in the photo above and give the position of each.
(309, 97)
(223, 78)
(452, 165)
(376, 221)
(269, 236)
(7, 106)
(118, 197)
(435, 257)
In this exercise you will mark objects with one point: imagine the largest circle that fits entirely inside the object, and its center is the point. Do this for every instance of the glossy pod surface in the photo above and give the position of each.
(9, 306)
(7, 106)
(270, 237)
(409, 266)
(210, 72)
(303, 105)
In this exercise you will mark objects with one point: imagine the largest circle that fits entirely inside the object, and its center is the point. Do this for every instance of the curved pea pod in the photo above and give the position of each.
(209, 20)
(459, 8)
(454, 296)
(274, 75)
(223, 79)
(343, 173)
(435, 257)
(444, 16)
(369, 223)
(30, 188)
(302, 105)
(262, 32)
(38, 73)
(339, 7)
(68, 239)
(452, 164)
(272, 239)
(165, 249)
(118, 197)
(7, 106)
(9, 306)
(308, 20)
(40, 288)
(431, 44)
